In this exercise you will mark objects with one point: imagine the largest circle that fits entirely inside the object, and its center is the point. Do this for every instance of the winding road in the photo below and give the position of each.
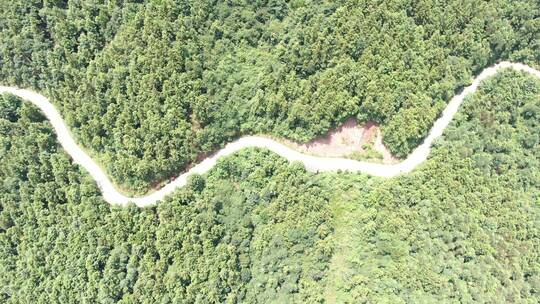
(312, 163)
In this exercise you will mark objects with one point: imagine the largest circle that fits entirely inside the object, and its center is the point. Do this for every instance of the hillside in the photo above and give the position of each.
(148, 86)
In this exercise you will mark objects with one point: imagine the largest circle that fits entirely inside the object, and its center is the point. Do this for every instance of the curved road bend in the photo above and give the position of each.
(312, 163)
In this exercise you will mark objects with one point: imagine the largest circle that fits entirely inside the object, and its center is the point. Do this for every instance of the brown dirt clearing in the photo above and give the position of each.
(349, 138)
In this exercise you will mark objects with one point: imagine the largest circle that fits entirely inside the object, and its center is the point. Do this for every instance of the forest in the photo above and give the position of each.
(148, 86)
(462, 228)
(253, 230)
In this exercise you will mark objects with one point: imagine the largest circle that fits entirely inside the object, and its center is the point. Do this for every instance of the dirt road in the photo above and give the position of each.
(312, 163)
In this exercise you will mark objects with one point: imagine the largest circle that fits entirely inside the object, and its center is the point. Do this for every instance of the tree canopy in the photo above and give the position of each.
(254, 229)
(148, 87)
(461, 228)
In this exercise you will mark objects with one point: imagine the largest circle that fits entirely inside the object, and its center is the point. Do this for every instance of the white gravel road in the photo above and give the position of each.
(312, 163)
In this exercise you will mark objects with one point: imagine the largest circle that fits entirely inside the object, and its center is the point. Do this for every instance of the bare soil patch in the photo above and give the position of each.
(348, 139)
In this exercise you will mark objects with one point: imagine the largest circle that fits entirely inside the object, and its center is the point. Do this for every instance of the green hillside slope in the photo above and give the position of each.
(462, 228)
(148, 87)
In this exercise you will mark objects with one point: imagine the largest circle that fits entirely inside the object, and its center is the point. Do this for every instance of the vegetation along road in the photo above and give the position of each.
(312, 163)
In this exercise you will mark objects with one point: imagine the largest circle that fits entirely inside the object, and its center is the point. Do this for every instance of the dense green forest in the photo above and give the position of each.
(463, 228)
(148, 87)
(254, 230)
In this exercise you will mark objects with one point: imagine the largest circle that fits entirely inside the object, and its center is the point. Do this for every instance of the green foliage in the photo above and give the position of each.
(255, 229)
(464, 227)
(368, 153)
(149, 87)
